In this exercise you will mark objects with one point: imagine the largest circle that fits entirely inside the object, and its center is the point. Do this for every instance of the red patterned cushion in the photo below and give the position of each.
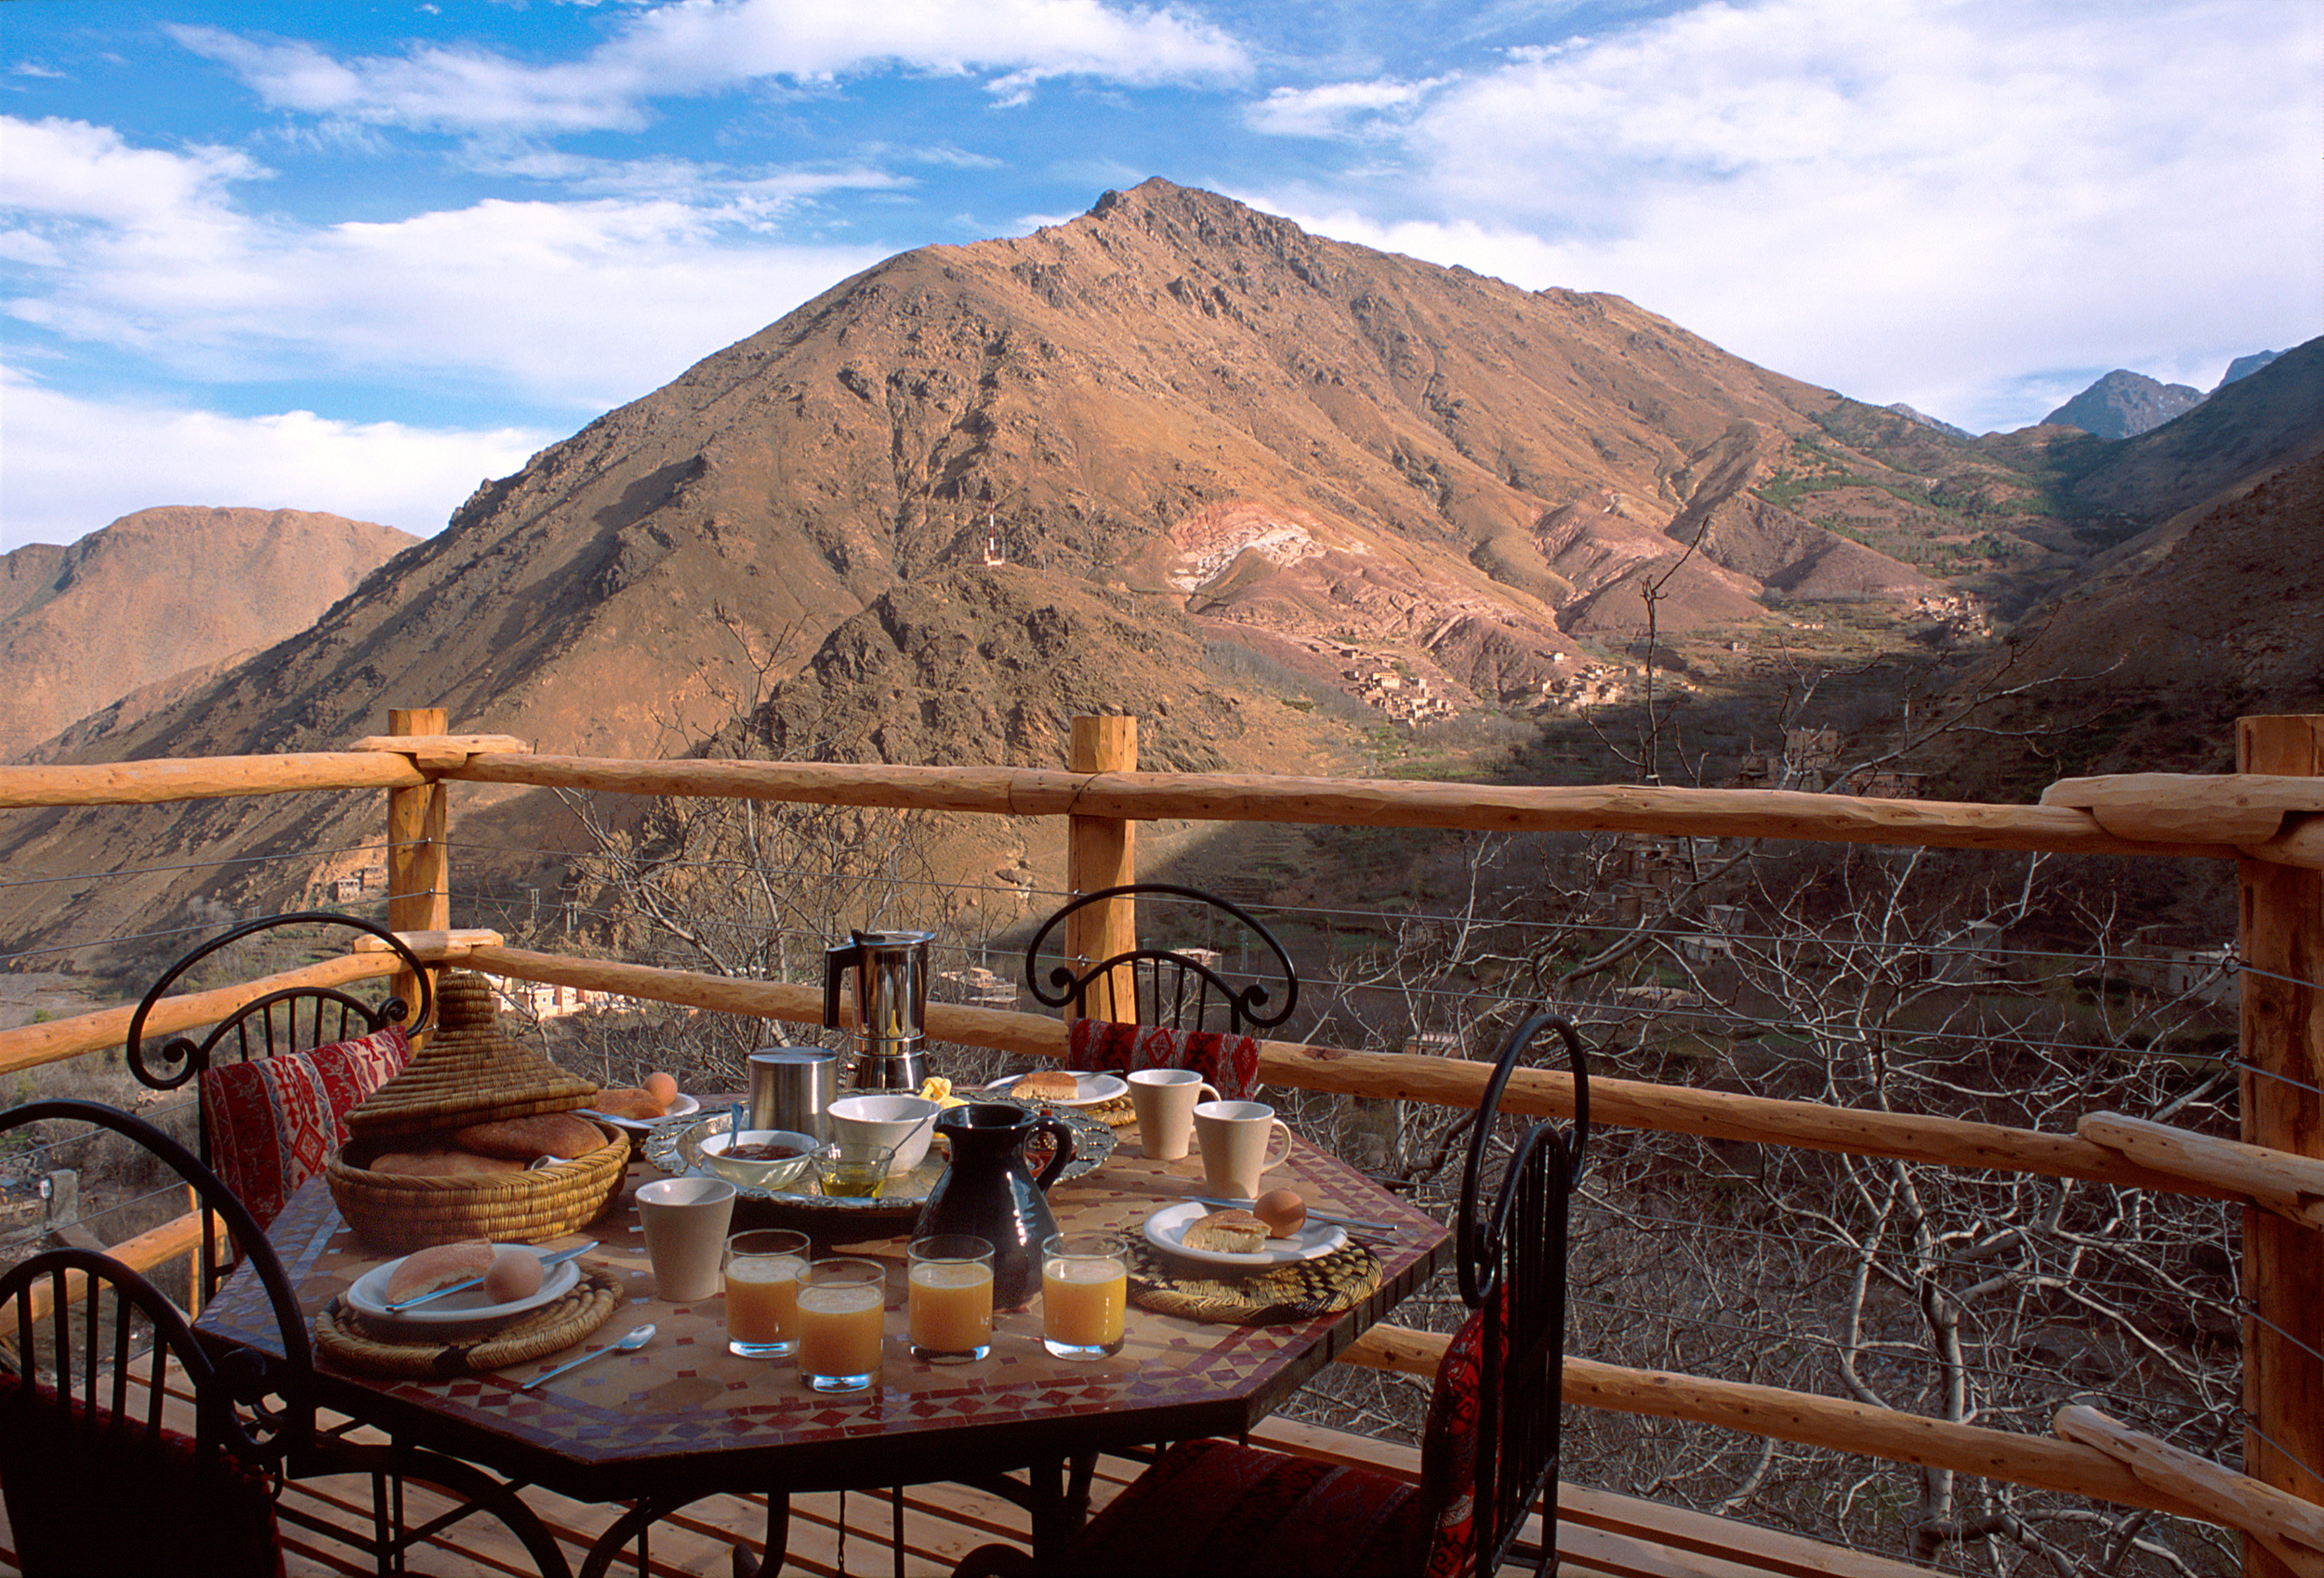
(1449, 1451)
(1230, 1062)
(1230, 1511)
(274, 1121)
(93, 1493)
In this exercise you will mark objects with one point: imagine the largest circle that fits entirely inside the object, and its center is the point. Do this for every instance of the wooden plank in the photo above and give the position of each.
(2291, 1186)
(436, 947)
(1350, 802)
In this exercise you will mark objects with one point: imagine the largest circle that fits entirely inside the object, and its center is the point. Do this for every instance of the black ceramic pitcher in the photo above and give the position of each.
(990, 1191)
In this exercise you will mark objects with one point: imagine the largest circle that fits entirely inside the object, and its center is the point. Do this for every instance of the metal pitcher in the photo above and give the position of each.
(890, 974)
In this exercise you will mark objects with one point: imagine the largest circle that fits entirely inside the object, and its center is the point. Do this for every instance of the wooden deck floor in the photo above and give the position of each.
(1598, 1532)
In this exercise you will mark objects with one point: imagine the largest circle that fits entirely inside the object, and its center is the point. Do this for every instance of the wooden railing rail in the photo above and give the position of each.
(2273, 828)
(1344, 802)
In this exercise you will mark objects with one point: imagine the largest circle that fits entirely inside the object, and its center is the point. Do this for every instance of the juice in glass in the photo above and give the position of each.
(949, 1297)
(762, 1268)
(1085, 1294)
(841, 1305)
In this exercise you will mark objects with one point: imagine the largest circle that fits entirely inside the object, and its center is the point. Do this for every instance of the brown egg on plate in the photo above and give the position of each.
(1282, 1209)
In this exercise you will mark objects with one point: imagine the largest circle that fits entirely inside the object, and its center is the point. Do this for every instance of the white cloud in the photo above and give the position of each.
(1338, 108)
(1894, 197)
(74, 465)
(581, 304)
(699, 46)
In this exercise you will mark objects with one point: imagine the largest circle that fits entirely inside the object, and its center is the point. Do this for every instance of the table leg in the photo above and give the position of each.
(770, 1560)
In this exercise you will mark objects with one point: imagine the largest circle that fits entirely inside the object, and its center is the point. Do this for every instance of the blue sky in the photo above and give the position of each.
(358, 257)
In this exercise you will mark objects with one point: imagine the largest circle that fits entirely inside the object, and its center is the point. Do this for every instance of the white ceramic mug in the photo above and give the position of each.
(1165, 1100)
(686, 1222)
(1237, 1138)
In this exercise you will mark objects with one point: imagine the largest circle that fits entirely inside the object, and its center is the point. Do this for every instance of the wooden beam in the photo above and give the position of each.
(1449, 1082)
(2282, 1023)
(26, 1047)
(1102, 851)
(2291, 1186)
(201, 777)
(1809, 1420)
(1344, 802)
(2293, 1529)
(436, 752)
(2234, 809)
(420, 865)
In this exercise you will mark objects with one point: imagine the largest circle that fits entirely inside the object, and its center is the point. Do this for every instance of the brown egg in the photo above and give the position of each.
(1284, 1212)
(662, 1089)
(515, 1273)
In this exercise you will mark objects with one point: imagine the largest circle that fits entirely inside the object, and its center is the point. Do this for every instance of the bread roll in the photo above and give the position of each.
(442, 1163)
(626, 1102)
(439, 1265)
(529, 1139)
(1226, 1233)
(1046, 1085)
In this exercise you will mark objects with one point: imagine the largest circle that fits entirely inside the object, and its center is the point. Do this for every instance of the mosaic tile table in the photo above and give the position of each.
(682, 1418)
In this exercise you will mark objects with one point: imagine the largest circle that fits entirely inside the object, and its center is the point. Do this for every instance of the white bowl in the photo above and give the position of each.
(774, 1174)
(905, 1123)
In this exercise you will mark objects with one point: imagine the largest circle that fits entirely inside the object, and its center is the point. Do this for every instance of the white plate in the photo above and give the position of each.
(455, 1314)
(1166, 1229)
(1094, 1090)
(684, 1106)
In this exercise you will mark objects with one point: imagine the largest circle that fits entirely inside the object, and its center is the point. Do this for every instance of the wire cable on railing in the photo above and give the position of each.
(219, 863)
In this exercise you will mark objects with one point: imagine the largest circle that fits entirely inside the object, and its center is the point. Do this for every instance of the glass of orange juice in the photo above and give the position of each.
(1085, 1293)
(763, 1267)
(841, 1304)
(948, 1294)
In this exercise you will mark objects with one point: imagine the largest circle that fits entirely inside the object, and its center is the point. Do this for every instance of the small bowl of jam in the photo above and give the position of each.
(771, 1159)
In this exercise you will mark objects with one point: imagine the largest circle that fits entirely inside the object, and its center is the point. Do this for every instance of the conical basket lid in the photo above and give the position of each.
(469, 1072)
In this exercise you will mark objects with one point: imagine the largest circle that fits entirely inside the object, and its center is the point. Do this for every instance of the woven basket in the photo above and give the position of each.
(469, 1073)
(394, 1212)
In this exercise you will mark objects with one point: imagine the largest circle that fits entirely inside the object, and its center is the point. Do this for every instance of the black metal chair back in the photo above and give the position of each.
(295, 1020)
(1175, 989)
(1512, 1263)
(76, 1447)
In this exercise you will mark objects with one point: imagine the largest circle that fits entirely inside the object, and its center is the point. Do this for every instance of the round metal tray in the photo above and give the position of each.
(676, 1146)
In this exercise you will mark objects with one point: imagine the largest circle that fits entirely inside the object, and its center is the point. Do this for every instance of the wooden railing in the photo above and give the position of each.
(2269, 819)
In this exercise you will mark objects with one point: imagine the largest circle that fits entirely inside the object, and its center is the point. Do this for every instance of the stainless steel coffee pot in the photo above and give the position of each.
(891, 976)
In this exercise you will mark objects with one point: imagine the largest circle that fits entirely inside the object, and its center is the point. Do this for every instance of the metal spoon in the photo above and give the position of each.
(637, 1339)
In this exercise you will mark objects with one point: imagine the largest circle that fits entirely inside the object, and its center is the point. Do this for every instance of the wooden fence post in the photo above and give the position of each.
(419, 868)
(1102, 852)
(2282, 925)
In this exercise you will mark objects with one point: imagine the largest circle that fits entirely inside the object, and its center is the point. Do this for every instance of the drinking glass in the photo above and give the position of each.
(841, 1304)
(949, 1297)
(853, 1170)
(763, 1267)
(1085, 1293)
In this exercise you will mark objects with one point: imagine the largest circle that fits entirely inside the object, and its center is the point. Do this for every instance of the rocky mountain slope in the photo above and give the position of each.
(2123, 404)
(2215, 614)
(1176, 457)
(160, 593)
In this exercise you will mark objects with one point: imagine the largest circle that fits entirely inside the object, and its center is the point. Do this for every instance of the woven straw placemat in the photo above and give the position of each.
(341, 1332)
(1298, 1292)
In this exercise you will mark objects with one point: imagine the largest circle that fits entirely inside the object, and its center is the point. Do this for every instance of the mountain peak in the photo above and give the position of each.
(2124, 405)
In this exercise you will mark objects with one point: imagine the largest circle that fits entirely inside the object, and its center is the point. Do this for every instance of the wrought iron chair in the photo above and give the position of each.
(274, 1079)
(1225, 1509)
(94, 1481)
(1171, 988)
